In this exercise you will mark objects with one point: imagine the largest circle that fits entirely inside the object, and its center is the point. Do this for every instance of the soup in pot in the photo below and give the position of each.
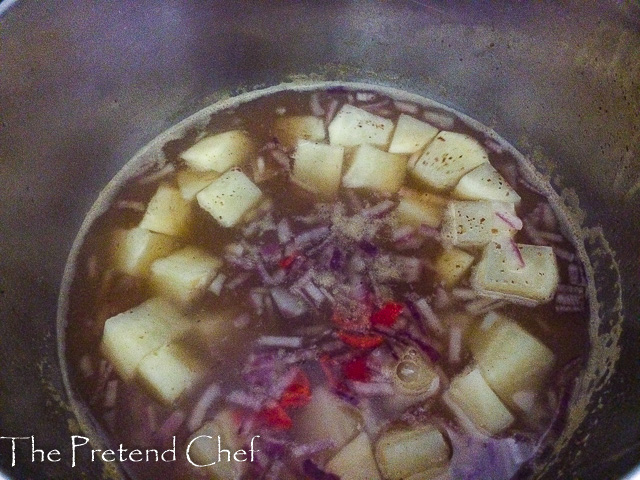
(329, 284)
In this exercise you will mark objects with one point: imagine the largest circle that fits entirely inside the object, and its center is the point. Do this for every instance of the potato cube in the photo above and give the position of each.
(229, 197)
(452, 265)
(190, 182)
(475, 223)
(415, 208)
(132, 335)
(168, 212)
(134, 249)
(184, 275)
(288, 130)
(214, 436)
(411, 135)
(326, 417)
(170, 371)
(353, 126)
(485, 183)
(473, 396)
(446, 159)
(497, 275)
(404, 452)
(355, 460)
(375, 170)
(219, 152)
(317, 167)
(510, 358)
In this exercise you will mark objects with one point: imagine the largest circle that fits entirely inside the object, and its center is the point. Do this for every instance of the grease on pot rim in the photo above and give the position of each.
(329, 283)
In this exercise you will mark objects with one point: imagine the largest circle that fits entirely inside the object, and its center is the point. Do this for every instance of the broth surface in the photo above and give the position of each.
(333, 309)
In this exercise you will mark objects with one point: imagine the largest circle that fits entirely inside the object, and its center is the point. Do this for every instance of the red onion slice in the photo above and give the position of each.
(289, 305)
(279, 341)
(210, 395)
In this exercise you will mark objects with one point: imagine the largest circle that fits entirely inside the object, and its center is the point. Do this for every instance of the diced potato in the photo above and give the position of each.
(446, 159)
(317, 167)
(132, 335)
(353, 126)
(355, 461)
(184, 275)
(415, 208)
(411, 135)
(452, 265)
(168, 212)
(190, 182)
(288, 130)
(470, 392)
(485, 183)
(219, 152)
(497, 275)
(375, 170)
(474, 223)
(229, 197)
(510, 358)
(171, 371)
(218, 434)
(134, 249)
(404, 452)
(326, 417)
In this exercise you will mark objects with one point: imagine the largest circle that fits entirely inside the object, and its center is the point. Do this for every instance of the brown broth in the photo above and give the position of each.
(97, 293)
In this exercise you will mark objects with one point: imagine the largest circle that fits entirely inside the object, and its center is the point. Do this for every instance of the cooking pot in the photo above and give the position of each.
(84, 85)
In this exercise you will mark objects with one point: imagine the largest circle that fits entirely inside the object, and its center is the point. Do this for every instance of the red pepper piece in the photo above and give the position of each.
(275, 417)
(356, 369)
(286, 262)
(298, 393)
(357, 340)
(388, 314)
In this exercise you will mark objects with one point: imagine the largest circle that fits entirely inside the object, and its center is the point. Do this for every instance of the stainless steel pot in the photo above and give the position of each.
(83, 85)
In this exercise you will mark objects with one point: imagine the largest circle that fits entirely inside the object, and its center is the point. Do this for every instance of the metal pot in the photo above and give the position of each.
(83, 85)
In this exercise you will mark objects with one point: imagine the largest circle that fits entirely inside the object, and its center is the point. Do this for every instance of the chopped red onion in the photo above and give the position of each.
(332, 108)
(441, 120)
(493, 146)
(314, 294)
(85, 366)
(211, 393)
(406, 107)
(365, 96)
(170, 426)
(282, 158)
(238, 280)
(149, 178)
(284, 231)
(217, 284)
(134, 205)
(513, 221)
(516, 255)
(379, 209)
(428, 231)
(428, 316)
(311, 237)
(551, 237)
(246, 400)
(315, 106)
(576, 274)
(564, 254)
(441, 299)
(455, 344)
(571, 289)
(483, 305)
(271, 280)
(111, 394)
(308, 449)
(289, 305)
(280, 341)
(410, 267)
(464, 293)
(242, 321)
(404, 232)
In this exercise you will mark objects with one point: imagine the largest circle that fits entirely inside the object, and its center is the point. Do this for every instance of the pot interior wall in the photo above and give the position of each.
(83, 86)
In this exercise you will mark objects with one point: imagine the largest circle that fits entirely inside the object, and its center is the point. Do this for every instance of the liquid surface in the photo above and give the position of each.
(342, 312)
